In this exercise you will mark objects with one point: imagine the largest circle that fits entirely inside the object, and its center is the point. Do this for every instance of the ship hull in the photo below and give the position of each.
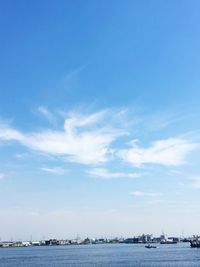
(168, 242)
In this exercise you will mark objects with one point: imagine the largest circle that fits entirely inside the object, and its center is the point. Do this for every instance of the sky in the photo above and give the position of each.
(99, 118)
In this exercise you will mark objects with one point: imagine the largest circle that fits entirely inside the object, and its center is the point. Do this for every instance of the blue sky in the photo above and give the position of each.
(99, 118)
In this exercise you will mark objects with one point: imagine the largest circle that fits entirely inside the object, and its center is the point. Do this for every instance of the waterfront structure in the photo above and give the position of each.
(195, 243)
(141, 239)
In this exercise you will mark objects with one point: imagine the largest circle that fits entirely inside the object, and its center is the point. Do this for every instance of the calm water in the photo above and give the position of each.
(179, 255)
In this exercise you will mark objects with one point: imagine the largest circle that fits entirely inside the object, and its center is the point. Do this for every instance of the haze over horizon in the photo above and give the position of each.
(99, 118)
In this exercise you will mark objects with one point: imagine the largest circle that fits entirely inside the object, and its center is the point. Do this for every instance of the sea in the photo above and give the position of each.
(111, 255)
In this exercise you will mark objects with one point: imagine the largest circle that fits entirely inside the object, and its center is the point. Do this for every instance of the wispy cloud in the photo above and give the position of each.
(168, 152)
(89, 139)
(47, 114)
(54, 170)
(195, 180)
(74, 72)
(84, 139)
(106, 174)
(22, 155)
(162, 120)
(176, 173)
(145, 194)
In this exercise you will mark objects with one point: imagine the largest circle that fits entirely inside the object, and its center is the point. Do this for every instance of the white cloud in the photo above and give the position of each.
(2, 176)
(168, 152)
(106, 174)
(145, 194)
(88, 140)
(54, 170)
(81, 140)
(7, 134)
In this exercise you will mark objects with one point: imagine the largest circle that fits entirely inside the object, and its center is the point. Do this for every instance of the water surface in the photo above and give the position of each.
(110, 255)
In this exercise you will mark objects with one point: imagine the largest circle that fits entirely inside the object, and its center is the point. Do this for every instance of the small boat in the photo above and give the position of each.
(150, 246)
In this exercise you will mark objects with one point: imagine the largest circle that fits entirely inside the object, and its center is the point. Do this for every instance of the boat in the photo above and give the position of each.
(150, 246)
(167, 241)
(195, 243)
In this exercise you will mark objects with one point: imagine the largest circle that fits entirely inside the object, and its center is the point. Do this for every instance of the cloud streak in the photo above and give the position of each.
(167, 152)
(145, 194)
(47, 114)
(54, 170)
(106, 174)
